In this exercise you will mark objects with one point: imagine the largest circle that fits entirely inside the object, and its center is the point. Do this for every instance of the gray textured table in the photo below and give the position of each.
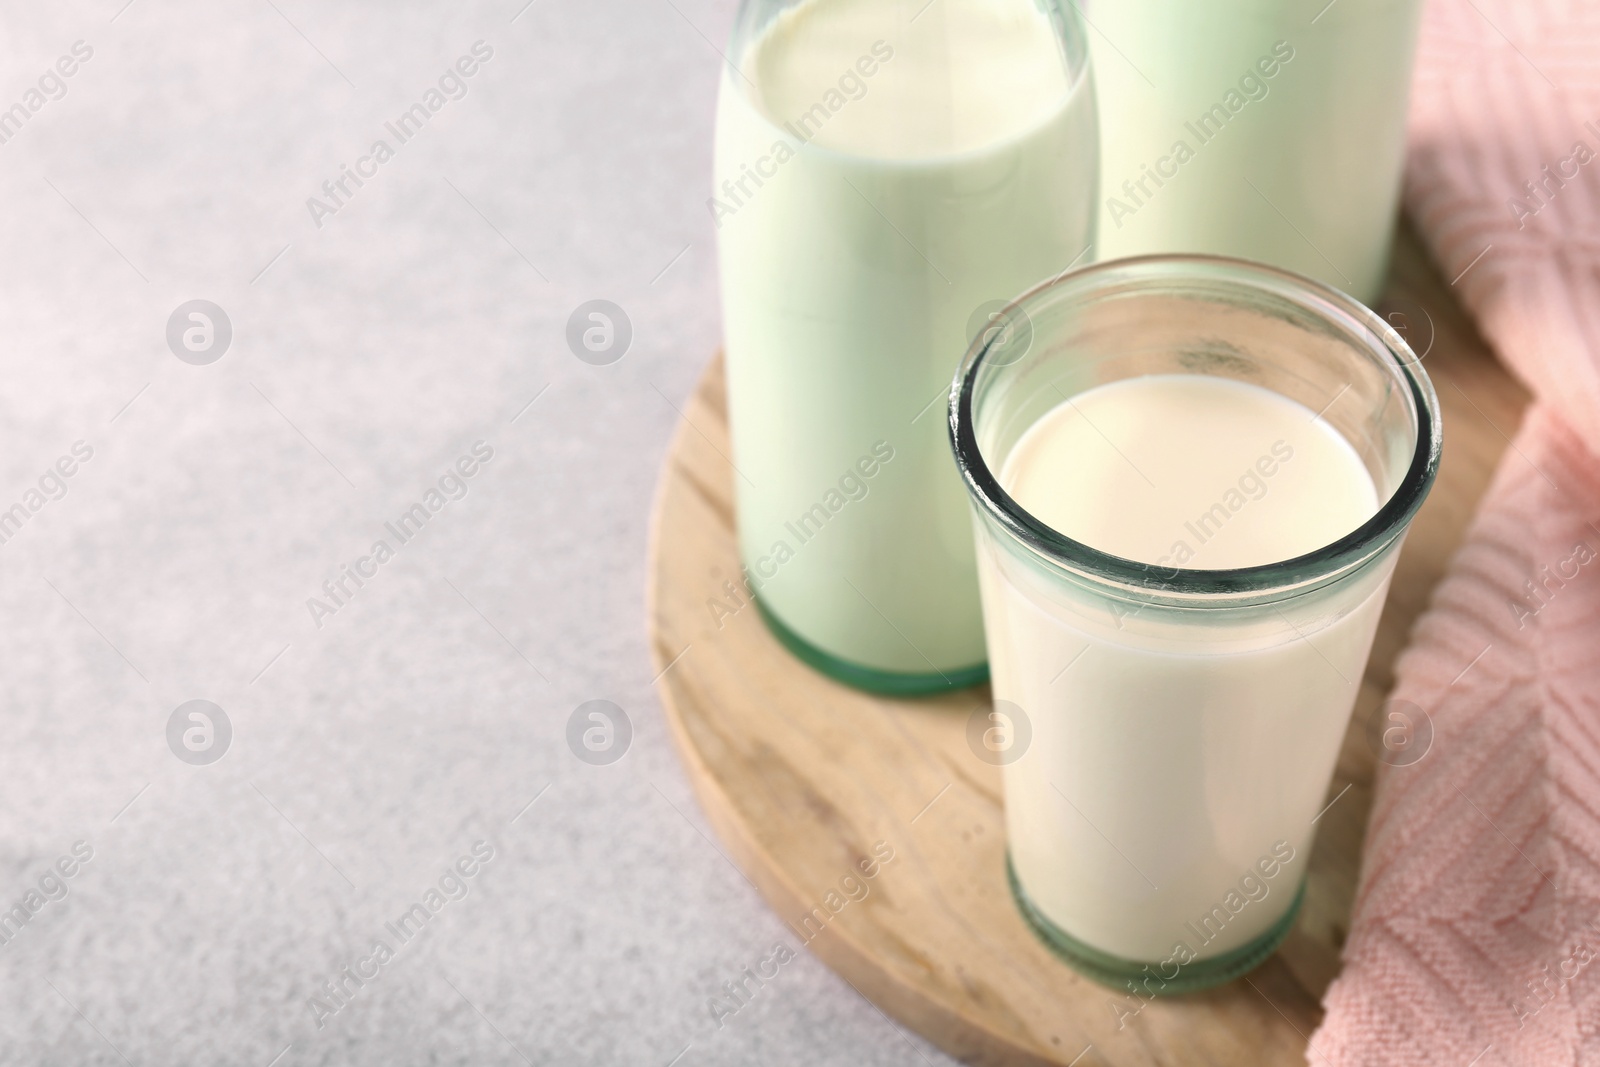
(369, 743)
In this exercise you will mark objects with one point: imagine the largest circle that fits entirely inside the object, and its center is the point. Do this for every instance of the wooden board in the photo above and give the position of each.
(802, 777)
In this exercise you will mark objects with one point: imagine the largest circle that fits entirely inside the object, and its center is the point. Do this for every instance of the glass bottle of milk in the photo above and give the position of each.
(1271, 130)
(888, 175)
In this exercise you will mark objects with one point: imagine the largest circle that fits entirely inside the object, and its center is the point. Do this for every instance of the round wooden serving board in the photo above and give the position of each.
(804, 778)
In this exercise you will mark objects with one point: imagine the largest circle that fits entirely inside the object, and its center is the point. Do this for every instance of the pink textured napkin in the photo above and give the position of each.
(1476, 937)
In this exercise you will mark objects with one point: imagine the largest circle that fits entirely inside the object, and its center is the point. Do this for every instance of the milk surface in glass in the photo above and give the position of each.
(1170, 765)
(883, 171)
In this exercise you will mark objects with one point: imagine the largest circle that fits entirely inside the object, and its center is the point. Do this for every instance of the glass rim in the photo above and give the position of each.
(1354, 320)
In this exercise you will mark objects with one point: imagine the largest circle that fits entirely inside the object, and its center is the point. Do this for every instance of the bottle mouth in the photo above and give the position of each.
(757, 22)
(1224, 280)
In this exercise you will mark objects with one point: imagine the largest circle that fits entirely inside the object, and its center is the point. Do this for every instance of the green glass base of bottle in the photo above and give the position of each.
(1116, 972)
(870, 679)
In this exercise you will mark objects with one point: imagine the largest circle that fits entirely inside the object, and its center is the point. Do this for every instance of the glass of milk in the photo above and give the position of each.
(888, 175)
(1272, 130)
(1189, 493)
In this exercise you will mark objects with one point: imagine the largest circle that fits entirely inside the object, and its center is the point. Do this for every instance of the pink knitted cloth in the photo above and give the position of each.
(1476, 937)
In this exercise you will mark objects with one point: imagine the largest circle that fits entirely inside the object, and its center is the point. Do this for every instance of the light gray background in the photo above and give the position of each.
(367, 355)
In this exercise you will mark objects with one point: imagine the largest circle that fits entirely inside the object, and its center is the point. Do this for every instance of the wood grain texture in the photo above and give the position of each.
(803, 777)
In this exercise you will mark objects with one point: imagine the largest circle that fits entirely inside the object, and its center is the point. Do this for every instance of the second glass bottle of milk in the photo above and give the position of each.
(888, 175)
(1271, 130)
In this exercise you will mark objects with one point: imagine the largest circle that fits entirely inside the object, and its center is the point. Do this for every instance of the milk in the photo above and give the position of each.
(882, 170)
(1265, 129)
(1175, 759)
